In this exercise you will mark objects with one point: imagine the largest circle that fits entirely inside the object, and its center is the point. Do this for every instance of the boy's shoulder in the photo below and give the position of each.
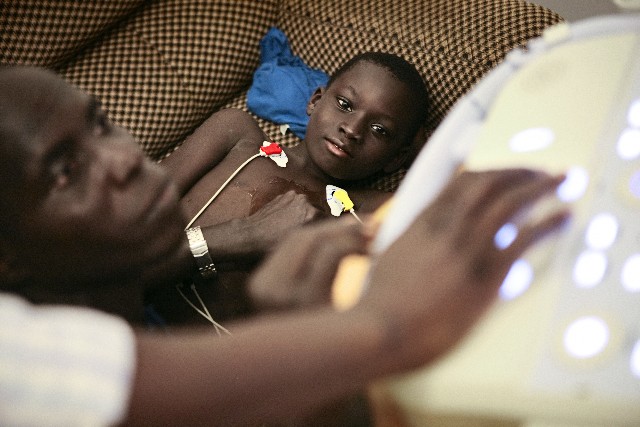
(248, 144)
(368, 199)
(240, 120)
(238, 127)
(235, 114)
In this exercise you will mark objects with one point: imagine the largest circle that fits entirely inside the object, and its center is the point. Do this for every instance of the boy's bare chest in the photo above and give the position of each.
(242, 190)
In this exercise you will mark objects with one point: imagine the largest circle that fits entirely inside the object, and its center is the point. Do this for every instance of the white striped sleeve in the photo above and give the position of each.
(63, 366)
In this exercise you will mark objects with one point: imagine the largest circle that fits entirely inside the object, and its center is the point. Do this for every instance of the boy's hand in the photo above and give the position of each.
(301, 270)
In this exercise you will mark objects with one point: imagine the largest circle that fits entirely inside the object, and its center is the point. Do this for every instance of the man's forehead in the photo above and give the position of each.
(38, 110)
(28, 96)
(65, 117)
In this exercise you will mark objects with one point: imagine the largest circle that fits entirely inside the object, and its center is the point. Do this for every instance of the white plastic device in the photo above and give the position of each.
(562, 346)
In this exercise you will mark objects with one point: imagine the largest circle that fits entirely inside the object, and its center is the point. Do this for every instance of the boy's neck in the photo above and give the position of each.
(304, 163)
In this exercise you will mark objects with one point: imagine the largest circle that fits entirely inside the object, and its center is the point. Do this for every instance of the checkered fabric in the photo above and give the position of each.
(168, 69)
(161, 67)
(50, 32)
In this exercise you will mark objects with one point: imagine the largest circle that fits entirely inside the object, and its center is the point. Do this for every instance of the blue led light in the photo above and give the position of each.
(633, 115)
(534, 139)
(505, 236)
(628, 146)
(574, 186)
(589, 268)
(602, 231)
(630, 276)
(586, 337)
(518, 280)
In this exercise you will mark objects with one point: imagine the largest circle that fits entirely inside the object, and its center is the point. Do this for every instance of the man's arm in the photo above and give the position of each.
(273, 368)
(62, 365)
(425, 293)
(209, 144)
(250, 238)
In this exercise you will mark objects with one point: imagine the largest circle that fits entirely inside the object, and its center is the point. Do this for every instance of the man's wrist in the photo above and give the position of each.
(200, 251)
(241, 241)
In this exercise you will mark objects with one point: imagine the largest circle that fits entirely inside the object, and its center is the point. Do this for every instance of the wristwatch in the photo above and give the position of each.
(200, 251)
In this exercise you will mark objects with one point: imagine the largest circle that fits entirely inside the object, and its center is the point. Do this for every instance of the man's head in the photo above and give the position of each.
(79, 202)
(368, 117)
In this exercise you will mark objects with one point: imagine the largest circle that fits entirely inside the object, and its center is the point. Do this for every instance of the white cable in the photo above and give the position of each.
(204, 313)
(206, 205)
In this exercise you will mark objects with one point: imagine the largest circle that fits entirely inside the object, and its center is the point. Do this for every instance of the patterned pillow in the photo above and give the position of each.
(166, 70)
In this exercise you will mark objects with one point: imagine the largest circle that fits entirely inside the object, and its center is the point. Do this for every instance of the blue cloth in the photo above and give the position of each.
(283, 84)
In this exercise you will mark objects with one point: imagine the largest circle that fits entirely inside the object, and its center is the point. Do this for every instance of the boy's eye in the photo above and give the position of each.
(379, 129)
(343, 104)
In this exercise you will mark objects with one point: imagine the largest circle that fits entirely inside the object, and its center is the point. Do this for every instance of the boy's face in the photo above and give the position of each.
(86, 203)
(360, 124)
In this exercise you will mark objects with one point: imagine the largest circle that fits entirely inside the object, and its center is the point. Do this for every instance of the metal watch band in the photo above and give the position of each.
(200, 252)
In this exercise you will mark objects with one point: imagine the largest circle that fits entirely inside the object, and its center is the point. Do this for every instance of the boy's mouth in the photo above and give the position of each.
(337, 148)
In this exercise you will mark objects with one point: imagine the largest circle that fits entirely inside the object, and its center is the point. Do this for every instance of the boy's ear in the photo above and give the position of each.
(315, 97)
(399, 160)
(407, 152)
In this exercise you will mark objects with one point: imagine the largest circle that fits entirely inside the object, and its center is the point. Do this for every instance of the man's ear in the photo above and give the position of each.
(315, 97)
(407, 153)
(11, 272)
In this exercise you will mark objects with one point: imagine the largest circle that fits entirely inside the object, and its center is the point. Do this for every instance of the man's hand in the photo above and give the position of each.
(245, 240)
(436, 280)
(277, 218)
(301, 271)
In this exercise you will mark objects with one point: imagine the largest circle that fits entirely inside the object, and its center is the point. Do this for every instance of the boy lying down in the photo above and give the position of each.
(364, 122)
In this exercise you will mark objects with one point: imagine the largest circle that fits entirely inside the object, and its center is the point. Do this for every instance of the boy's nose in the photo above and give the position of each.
(352, 127)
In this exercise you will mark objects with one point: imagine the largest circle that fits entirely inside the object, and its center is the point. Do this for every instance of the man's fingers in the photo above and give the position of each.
(327, 255)
(532, 233)
(515, 199)
(301, 269)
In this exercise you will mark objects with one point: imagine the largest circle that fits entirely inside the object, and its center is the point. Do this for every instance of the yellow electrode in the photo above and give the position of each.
(342, 196)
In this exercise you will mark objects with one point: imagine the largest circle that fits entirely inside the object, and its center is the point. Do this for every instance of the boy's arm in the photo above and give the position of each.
(209, 144)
